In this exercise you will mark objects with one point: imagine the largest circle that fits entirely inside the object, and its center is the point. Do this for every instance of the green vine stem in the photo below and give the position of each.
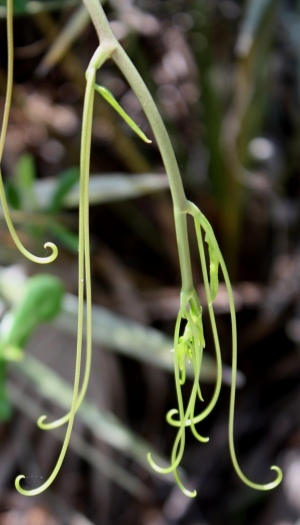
(7, 106)
(138, 86)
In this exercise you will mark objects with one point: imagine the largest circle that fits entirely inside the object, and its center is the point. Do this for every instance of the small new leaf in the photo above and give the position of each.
(108, 96)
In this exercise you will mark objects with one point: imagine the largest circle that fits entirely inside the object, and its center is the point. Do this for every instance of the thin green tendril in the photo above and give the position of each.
(200, 220)
(8, 98)
(84, 247)
(243, 477)
(84, 282)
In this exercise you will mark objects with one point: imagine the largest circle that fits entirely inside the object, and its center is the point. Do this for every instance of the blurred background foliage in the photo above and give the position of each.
(225, 76)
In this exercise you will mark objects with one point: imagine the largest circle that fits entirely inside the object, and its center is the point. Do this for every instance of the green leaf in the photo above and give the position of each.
(65, 182)
(66, 237)
(12, 353)
(103, 188)
(25, 171)
(13, 195)
(25, 176)
(108, 96)
(22, 7)
(19, 5)
(254, 14)
(5, 405)
(41, 303)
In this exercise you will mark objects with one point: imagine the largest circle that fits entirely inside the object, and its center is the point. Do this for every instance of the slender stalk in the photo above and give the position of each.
(142, 93)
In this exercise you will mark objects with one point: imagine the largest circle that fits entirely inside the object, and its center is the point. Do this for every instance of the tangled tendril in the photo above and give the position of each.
(190, 346)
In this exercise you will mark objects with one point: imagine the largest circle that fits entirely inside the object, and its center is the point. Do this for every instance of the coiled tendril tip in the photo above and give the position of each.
(186, 492)
(17, 482)
(32, 492)
(25, 492)
(157, 468)
(41, 422)
(278, 479)
(54, 253)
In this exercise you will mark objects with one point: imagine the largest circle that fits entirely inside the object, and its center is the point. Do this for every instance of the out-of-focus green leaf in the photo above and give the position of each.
(253, 17)
(65, 182)
(12, 353)
(65, 237)
(5, 404)
(103, 188)
(41, 303)
(25, 176)
(19, 5)
(31, 7)
(69, 34)
(25, 171)
(12, 195)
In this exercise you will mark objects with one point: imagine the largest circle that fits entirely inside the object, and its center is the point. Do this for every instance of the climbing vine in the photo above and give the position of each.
(189, 336)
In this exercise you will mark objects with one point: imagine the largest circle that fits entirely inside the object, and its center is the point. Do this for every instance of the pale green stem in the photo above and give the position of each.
(142, 93)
